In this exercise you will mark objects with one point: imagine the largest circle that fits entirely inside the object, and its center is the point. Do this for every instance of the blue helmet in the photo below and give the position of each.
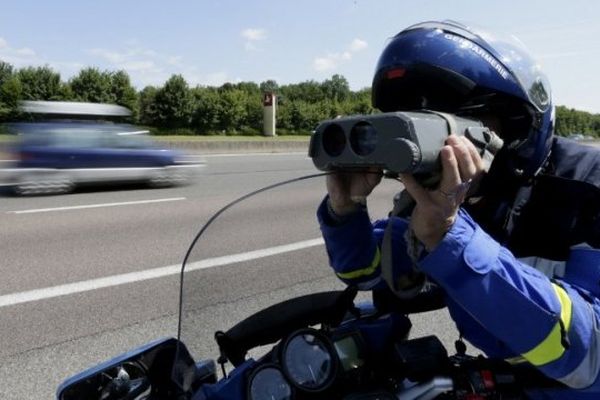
(447, 66)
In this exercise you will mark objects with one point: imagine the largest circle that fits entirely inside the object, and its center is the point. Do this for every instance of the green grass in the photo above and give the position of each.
(6, 138)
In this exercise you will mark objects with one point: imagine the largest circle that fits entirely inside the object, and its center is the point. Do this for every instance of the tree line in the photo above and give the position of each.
(232, 109)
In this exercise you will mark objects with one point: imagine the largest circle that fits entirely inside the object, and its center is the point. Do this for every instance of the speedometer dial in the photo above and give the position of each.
(268, 383)
(309, 361)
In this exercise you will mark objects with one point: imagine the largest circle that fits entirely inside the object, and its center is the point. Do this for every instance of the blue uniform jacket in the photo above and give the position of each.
(503, 306)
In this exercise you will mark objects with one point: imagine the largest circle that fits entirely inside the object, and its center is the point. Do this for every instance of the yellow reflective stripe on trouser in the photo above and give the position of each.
(364, 271)
(551, 348)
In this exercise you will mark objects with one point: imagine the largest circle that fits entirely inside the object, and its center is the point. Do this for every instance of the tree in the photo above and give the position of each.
(269, 86)
(174, 103)
(336, 88)
(6, 71)
(250, 88)
(92, 85)
(207, 109)
(360, 103)
(10, 93)
(10, 90)
(147, 113)
(310, 91)
(39, 83)
(121, 90)
(65, 92)
(305, 116)
(570, 121)
(233, 109)
(253, 114)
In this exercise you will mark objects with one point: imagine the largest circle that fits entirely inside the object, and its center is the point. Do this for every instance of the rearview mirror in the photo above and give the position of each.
(134, 375)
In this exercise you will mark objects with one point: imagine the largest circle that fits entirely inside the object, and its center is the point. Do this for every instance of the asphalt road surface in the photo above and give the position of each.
(92, 274)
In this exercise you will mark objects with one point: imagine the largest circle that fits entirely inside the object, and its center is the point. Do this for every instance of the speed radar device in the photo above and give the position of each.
(399, 142)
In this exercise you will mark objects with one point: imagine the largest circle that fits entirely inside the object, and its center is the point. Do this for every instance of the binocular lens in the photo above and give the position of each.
(334, 140)
(363, 138)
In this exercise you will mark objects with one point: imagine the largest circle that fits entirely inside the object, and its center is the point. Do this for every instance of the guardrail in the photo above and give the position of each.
(238, 146)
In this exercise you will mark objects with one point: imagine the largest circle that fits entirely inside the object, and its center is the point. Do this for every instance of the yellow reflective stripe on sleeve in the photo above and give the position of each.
(551, 348)
(364, 271)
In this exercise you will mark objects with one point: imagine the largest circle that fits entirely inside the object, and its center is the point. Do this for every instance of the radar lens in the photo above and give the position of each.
(334, 140)
(363, 138)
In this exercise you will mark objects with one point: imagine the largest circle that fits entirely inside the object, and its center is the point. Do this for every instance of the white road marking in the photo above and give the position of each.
(138, 276)
(67, 208)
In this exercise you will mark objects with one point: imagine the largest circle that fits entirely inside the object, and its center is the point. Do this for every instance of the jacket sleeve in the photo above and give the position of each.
(354, 250)
(548, 324)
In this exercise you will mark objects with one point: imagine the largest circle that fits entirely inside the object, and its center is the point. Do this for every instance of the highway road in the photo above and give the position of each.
(88, 275)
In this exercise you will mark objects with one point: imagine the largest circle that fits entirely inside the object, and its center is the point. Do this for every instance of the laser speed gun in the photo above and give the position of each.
(399, 142)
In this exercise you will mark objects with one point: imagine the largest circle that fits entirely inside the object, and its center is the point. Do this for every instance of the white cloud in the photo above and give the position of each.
(561, 55)
(216, 78)
(254, 34)
(325, 63)
(25, 51)
(19, 57)
(148, 67)
(358, 45)
(67, 68)
(131, 53)
(249, 46)
(110, 56)
(27, 57)
(332, 60)
(145, 66)
(174, 60)
(141, 65)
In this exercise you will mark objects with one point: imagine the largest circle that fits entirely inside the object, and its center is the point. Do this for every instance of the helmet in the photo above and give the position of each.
(447, 66)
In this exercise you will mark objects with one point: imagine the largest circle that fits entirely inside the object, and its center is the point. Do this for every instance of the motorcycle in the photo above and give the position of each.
(333, 344)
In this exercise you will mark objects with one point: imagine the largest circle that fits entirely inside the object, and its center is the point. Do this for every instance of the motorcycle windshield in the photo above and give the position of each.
(258, 252)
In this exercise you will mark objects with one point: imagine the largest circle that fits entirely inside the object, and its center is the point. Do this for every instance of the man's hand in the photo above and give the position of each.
(347, 189)
(436, 210)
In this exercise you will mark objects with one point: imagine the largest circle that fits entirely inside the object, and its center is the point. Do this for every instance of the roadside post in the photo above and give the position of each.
(269, 106)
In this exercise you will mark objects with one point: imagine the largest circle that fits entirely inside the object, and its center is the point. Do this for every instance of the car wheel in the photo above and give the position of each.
(161, 179)
(32, 184)
(179, 177)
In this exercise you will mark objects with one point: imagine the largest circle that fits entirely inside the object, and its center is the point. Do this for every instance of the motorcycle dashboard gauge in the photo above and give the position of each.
(269, 383)
(309, 360)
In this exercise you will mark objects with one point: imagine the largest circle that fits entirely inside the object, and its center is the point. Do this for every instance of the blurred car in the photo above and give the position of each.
(54, 156)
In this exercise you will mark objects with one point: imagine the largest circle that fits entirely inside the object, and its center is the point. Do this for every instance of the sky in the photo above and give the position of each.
(213, 42)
